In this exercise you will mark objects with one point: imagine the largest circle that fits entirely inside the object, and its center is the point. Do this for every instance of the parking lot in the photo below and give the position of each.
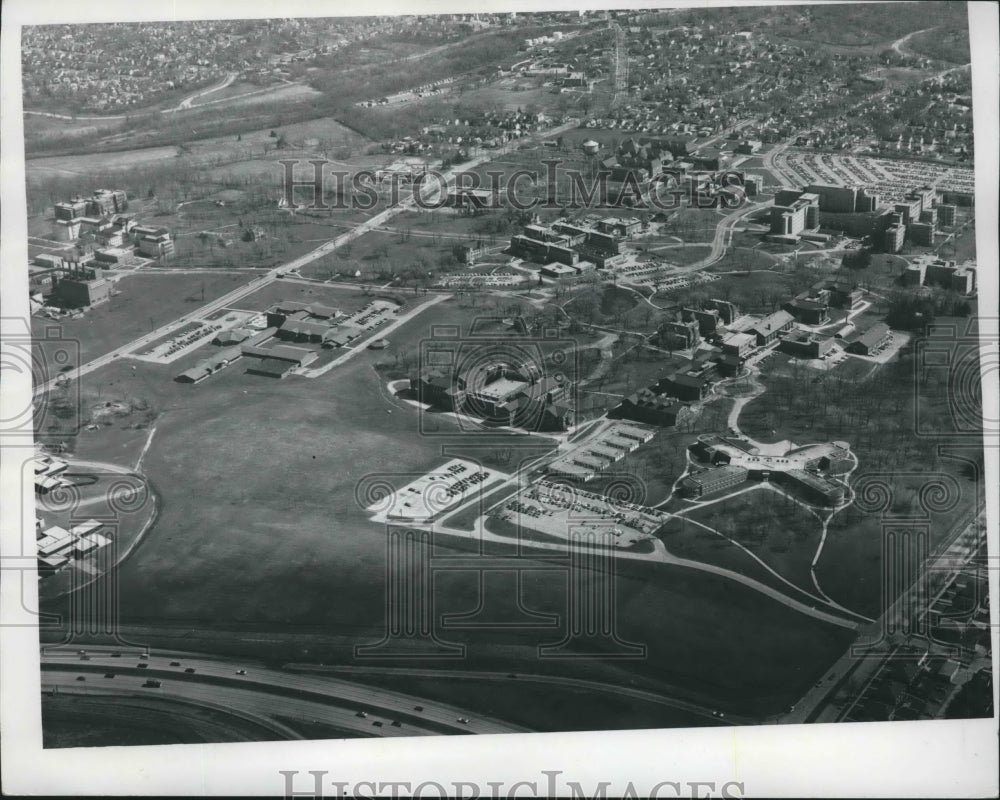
(890, 178)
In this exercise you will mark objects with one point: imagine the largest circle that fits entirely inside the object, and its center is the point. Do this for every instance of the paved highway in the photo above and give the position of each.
(552, 680)
(268, 691)
(724, 235)
(816, 700)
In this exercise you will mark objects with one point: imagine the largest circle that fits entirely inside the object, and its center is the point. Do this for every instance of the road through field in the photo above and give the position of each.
(269, 277)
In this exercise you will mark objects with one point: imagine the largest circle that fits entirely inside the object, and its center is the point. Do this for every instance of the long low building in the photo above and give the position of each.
(283, 352)
(210, 366)
(713, 479)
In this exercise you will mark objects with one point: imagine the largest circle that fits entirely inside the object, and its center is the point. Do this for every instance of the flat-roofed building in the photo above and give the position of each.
(803, 344)
(713, 479)
(681, 335)
(739, 344)
(921, 233)
(946, 214)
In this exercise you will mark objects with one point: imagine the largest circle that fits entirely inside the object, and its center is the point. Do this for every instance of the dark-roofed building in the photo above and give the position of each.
(653, 408)
(210, 365)
(438, 388)
(867, 342)
(299, 356)
(231, 337)
(271, 367)
(809, 310)
(840, 293)
(683, 335)
(305, 330)
(707, 319)
(320, 311)
(685, 386)
(714, 479)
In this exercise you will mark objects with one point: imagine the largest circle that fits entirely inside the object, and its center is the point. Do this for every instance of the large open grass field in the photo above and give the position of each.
(261, 539)
(146, 301)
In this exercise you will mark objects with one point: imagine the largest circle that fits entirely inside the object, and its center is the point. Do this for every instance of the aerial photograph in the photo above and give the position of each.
(511, 372)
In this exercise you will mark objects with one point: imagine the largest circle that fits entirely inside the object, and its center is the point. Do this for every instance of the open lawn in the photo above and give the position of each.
(260, 533)
(877, 412)
(347, 300)
(146, 301)
(775, 528)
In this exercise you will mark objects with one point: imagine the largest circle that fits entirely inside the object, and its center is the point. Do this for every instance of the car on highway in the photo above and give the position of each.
(418, 708)
(81, 678)
(361, 714)
(116, 655)
(189, 669)
(377, 724)
(463, 720)
(142, 666)
(109, 674)
(175, 663)
(241, 672)
(151, 684)
(144, 656)
(397, 724)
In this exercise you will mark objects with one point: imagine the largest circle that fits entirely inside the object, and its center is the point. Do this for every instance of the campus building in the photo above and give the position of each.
(804, 344)
(809, 308)
(870, 340)
(680, 335)
(738, 344)
(946, 214)
(713, 479)
(793, 212)
(708, 319)
(499, 394)
(209, 366)
(770, 327)
(929, 271)
(653, 408)
(79, 286)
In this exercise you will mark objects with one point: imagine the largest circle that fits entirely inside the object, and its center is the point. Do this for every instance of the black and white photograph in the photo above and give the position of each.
(543, 373)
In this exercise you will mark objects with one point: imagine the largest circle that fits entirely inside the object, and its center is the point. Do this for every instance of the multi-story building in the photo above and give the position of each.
(707, 319)
(921, 233)
(80, 286)
(681, 335)
(738, 344)
(794, 212)
(713, 479)
(728, 312)
(810, 308)
(768, 328)
(895, 235)
(946, 214)
(804, 344)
